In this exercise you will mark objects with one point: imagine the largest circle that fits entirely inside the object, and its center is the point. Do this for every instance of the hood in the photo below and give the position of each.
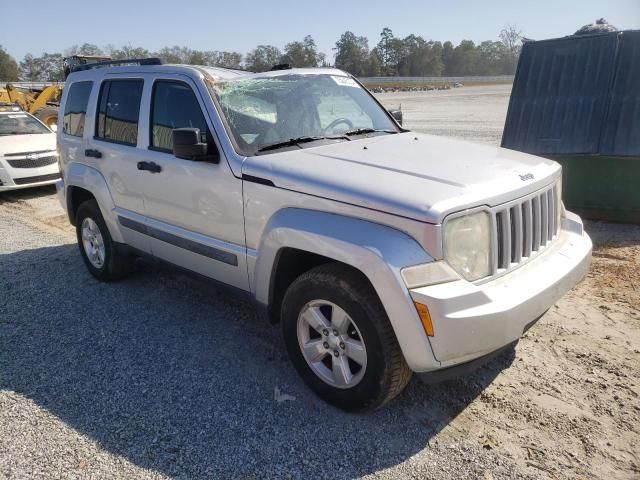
(423, 177)
(27, 143)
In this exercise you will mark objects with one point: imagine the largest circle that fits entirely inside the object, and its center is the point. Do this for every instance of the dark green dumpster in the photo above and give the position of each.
(576, 100)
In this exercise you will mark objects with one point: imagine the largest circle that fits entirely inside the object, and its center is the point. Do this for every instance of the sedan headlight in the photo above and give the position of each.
(467, 245)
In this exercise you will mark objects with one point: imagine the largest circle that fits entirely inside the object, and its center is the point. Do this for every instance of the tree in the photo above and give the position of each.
(126, 52)
(222, 59)
(46, 68)
(302, 54)
(174, 54)
(511, 38)
(491, 55)
(52, 68)
(419, 57)
(352, 54)
(374, 63)
(262, 58)
(30, 68)
(447, 58)
(85, 49)
(8, 67)
(384, 47)
(465, 59)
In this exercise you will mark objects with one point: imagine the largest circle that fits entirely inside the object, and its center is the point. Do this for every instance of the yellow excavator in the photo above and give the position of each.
(44, 102)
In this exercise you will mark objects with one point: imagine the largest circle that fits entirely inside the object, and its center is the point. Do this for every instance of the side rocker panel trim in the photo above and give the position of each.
(192, 246)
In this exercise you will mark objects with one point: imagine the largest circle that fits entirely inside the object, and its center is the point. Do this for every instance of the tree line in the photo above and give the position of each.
(391, 56)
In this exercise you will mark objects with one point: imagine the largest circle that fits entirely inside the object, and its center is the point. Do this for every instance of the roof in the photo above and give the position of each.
(216, 73)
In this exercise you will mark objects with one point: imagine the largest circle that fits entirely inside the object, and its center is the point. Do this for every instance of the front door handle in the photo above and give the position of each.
(149, 167)
(90, 152)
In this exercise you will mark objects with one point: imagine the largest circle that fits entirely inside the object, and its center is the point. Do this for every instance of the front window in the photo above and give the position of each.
(20, 124)
(265, 112)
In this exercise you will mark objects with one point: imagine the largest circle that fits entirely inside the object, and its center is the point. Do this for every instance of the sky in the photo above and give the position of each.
(241, 25)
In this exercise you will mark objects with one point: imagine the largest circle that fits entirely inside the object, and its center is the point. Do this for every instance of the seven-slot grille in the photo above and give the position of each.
(33, 162)
(524, 227)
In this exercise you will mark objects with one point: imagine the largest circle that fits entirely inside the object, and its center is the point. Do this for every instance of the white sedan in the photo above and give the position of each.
(27, 151)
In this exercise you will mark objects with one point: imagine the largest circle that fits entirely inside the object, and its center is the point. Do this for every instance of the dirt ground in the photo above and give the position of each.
(565, 403)
(476, 114)
(569, 406)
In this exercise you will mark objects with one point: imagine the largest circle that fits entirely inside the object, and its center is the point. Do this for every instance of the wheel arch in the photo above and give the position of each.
(76, 196)
(289, 264)
(84, 183)
(307, 238)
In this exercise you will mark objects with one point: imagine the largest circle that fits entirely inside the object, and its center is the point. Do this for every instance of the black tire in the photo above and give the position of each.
(47, 115)
(115, 265)
(386, 373)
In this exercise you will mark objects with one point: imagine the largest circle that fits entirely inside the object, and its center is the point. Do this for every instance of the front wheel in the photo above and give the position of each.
(96, 245)
(340, 340)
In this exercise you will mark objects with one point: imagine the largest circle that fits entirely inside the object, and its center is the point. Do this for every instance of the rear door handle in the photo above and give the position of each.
(90, 152)
(149, 167)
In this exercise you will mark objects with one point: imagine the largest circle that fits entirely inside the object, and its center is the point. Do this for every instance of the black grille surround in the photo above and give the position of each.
(33, 162)
(36, 179)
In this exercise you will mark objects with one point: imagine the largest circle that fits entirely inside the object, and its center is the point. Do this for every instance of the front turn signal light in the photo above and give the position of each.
(425, 318)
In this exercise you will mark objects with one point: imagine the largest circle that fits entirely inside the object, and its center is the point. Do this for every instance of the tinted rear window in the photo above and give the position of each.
(75, 109)
(118, 111)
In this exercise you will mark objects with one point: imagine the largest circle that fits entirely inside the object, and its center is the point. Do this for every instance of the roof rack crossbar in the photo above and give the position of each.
(110, 63)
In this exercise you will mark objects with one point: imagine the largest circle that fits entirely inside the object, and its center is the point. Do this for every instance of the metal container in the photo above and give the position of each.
(577, 100)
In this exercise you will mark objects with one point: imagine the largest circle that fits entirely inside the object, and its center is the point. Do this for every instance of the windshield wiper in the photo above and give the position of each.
(362, 131)
(295, 142)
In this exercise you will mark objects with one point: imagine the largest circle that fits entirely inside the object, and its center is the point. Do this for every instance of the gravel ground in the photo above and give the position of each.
(162, 376)
(476, 114)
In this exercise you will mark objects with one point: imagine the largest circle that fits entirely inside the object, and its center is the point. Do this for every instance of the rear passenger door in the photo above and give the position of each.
(114, 148)
(193, 208)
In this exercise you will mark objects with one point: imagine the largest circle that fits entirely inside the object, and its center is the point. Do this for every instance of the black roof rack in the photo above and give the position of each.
(111, 63)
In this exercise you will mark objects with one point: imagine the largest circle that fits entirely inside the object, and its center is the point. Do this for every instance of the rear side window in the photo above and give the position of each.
(174, 105)
(75, 109)
(118, 111)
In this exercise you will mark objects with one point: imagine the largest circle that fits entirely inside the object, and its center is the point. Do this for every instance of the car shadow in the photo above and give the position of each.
(180, 378)
(11, 196)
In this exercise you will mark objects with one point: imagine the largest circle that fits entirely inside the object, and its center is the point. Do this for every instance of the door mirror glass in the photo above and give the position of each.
(397, 114)
(187, 144)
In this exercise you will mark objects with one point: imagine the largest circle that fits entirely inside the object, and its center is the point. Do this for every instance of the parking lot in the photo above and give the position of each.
(163, 376)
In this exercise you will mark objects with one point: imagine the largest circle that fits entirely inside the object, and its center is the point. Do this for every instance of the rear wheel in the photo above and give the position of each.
(48, 115)
(96, 245)
(340, 340)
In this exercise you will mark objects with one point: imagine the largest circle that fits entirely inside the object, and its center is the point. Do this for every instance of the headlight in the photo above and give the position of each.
(467, 245)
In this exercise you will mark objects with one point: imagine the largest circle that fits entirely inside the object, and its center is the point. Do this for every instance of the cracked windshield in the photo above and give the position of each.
(271, 113)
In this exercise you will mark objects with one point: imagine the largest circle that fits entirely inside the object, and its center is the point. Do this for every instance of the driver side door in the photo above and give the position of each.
(194, 211)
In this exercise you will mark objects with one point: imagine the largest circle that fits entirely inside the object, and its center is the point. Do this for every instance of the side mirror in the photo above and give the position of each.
(397, 114)
(187, 144)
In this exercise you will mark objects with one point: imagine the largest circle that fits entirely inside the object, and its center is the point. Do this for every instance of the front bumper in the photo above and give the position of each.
(18, 178)
(462, 369)
(471, 320)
